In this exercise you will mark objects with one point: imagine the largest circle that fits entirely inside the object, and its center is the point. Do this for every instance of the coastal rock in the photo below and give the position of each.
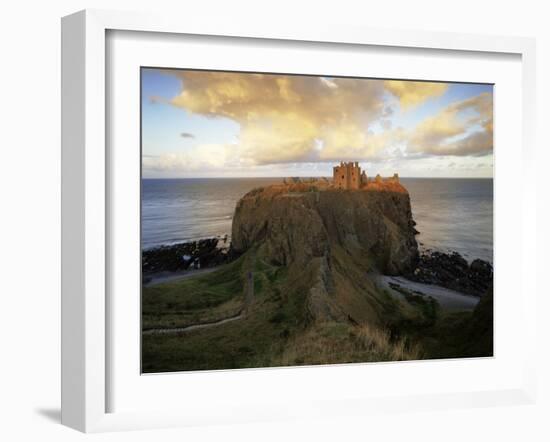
(299, 222)
(171, 258)
(329, 239)
(451, 270)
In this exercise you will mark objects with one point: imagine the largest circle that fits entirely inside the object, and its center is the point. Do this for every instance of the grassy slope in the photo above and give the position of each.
(278, 329)
(274, 316)
(463, 334)
(199, 299)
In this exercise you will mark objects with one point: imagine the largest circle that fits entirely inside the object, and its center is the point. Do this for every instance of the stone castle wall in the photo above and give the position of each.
(345, 176)
(348, 176)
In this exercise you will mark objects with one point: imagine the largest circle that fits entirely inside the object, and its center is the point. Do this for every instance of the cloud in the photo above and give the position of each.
(196, 159)
(414, 93)
(292, 119)
(462, 128)
(187, 135)
(286, 118)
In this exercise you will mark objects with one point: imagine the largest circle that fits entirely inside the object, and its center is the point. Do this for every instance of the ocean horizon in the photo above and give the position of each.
(452, 214)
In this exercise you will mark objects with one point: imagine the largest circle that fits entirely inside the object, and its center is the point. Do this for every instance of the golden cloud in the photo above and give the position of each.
(413, 93)
(287, 118)
(462, 128)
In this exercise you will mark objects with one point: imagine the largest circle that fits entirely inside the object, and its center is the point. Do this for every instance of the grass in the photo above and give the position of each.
(277, 312)
(276, 332)
(427, 305)
(338, 343)
(463, 334)
(278, 329)
(203, 298)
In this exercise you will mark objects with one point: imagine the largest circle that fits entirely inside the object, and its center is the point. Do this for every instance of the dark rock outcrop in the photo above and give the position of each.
(451, 270)
(183, 255)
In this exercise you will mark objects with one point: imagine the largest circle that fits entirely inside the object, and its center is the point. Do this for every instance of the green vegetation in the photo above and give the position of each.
(277, 328)
(428, 307)
(442, 334)
(463, 334)
(204, 298)
(338, 343)
(273, 317)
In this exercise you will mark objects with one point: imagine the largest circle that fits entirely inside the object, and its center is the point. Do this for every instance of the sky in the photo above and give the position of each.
(227, 124)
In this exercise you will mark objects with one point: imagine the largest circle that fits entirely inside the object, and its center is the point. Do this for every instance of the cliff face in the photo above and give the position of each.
(330, 241)
(297, 223)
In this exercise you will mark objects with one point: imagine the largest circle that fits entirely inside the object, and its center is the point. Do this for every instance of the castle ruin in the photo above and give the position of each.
(345, 176)
(348, 176)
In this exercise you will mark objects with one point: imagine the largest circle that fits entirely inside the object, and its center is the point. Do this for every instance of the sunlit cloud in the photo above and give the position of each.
(282, 118)
(288, 120)
(413, 93)
(462, 128)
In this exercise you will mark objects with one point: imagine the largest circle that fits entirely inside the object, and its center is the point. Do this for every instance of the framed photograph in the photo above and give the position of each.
(261, 247)
(261, 224)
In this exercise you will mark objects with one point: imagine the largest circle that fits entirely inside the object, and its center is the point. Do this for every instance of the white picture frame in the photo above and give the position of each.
(86, 210)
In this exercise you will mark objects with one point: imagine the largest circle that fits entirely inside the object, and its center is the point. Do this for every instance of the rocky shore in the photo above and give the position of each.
(203, 253)
(452, 271)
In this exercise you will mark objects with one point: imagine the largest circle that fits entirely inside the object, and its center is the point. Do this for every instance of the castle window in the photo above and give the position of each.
(342, 176)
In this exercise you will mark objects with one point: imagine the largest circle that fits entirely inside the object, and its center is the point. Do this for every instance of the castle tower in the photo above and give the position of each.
(347, 176)
(364, 179)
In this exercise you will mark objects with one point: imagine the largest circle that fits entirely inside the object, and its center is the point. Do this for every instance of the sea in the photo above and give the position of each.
(452, 214)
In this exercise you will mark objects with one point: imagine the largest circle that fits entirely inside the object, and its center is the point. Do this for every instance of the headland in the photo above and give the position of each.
(301, 284)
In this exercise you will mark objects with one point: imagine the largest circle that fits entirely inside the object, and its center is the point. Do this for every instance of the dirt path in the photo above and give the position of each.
(248, 300)
(448, 299)
(160, 331)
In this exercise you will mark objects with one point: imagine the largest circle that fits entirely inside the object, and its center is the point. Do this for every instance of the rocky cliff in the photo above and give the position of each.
(296, 223)
(329, 240)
